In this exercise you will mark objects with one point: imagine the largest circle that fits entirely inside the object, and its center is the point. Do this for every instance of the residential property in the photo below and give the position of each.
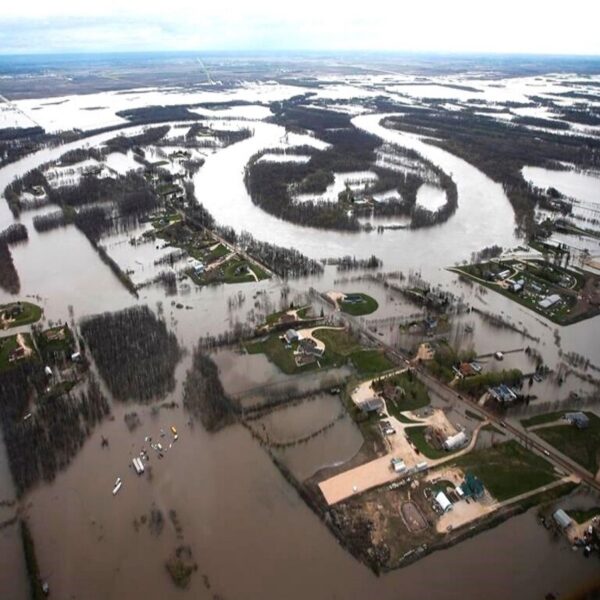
(371, 405)
(291, 336)
(517, 286)
(579, 419)
(503, 394)
(353, 299)
(309, 346)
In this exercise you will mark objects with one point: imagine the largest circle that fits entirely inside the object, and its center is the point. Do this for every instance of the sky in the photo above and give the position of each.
(510, 26)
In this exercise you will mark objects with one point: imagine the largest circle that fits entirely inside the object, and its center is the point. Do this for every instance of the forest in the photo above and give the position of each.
(14, 233)
(40, 446)
(9, 277)
(272, 185)
(134, 351)
(501, 150)
(203, 393)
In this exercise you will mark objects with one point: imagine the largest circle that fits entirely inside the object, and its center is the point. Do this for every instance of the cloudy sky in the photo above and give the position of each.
(529, 26)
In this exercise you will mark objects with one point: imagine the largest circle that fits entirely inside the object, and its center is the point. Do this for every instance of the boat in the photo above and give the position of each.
(117, 487)
(174, 430)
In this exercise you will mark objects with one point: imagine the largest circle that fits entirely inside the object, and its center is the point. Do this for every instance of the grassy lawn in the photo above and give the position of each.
(580, 445)
(278, 354)
(371, 362)
(219, 252)
(541, 419)
(7, 345)
(367, 306)
(584, 514)
(508, 469)
(338, 341)
(417, 436)
(27, 313)
(415, 393)
(339, 345)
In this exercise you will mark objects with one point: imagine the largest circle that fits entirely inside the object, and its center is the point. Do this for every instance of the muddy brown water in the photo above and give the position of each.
(250, 533)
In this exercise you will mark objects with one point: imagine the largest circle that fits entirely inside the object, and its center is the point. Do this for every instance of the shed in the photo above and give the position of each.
(443, 502)
(562, 518)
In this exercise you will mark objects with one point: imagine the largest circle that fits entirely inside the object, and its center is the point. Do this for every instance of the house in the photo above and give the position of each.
(291, 336)
(398, 465)
(353, 298)
(455, 441)
(503, 393)
(503, 274)
(476, 366)
(371, 405)
(563, 520)
(309, 346)
(430, 324)
(466, 369)
(579, 419)
(443, 502)
(549, 301)
(517, 286)
(472, 486)
(199, 268)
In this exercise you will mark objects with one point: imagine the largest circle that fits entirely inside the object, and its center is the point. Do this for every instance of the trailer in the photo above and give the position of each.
(138, 465)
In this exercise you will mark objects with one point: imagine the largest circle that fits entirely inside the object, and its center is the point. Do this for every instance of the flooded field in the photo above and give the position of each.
(252, 535)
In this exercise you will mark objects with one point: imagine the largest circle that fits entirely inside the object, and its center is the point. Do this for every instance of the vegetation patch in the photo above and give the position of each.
(181, 566)
(508, 469)
(580, 445)
(371, 362)
(418, 436)
(403, 392)
(541, 419)
(203, 393)
(19, 313)
(358, 304)
(584, 514)
(135, 352)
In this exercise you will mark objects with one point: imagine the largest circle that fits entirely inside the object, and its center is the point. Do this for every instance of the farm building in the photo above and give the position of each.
(455, 441)
(291, 335)
(549, 301)
(443, 502)
(562, 518)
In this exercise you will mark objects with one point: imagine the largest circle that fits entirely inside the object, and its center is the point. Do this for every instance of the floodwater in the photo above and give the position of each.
(582, 186)
(250, 533)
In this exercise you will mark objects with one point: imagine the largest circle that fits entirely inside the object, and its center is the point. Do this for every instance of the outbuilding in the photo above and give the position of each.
(443, 502)
(562, 518)
(455, 441)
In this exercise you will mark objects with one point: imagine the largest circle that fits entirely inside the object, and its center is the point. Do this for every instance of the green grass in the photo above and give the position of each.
(7, 345)
(338, 341)
(507, 470)
(415, 393)
(31, 313)
(278, 354)
(541, 419)
(366, 307)
(580, 445)
(371, 362)
(417, 436)
(583, 515)
(219, 252)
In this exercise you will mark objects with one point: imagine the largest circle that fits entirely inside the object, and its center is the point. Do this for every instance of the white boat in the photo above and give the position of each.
(117, 488)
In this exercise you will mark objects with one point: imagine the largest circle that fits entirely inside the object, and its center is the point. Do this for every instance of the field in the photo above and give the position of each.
(365, 306)
(580, 445)
(24, 314)
(507, 470)
(371, 362)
